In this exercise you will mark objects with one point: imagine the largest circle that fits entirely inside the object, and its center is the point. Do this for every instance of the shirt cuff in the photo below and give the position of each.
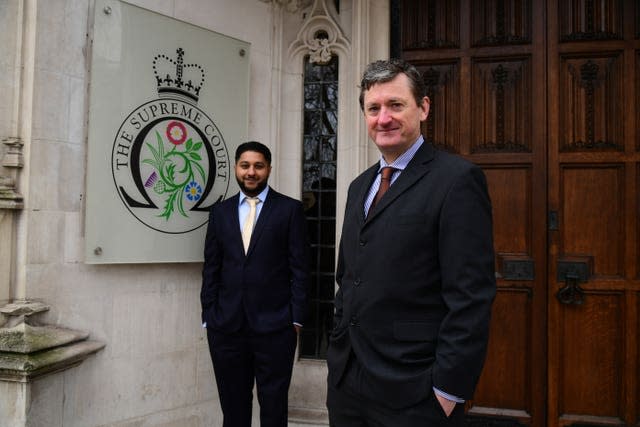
(297, 324)
(447, 396)
(204, 324)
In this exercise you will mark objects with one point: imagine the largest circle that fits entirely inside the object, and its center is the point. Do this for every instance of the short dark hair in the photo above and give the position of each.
(253, 146)
(386, 70)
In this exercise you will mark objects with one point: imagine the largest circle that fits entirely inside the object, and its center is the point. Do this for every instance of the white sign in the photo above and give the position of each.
(168, 107)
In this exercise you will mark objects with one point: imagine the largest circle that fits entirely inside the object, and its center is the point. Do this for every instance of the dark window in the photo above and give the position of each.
(319, 198)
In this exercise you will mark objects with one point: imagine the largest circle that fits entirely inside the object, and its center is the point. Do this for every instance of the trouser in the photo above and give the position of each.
(238, 360)
(349, 406)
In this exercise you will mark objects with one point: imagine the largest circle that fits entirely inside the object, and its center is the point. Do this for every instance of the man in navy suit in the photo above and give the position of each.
(415, 271)
(254, 289)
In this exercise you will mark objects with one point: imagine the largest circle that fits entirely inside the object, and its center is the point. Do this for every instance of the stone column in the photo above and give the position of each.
(10, 203)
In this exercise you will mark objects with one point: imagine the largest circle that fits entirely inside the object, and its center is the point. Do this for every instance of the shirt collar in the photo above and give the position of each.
(262, 196)
(404, 159)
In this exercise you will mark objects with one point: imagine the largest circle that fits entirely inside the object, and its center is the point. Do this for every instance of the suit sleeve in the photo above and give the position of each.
(211, 268)
(338, 298)
(299, 261)
(337, 302)
(468, 284)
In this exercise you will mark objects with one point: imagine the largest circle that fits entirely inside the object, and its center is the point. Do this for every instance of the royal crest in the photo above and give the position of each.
(169, 160)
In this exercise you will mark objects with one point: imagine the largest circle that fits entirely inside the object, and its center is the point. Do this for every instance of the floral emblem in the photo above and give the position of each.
(176, 172)
(177, 133)
(193, 191)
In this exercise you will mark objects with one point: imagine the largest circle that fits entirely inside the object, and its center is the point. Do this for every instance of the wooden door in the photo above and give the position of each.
(594, 177)
(542, 95)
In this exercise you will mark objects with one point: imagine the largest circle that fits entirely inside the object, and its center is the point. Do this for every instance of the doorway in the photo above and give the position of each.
(543, 96)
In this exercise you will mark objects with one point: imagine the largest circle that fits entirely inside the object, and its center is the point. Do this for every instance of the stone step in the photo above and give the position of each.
(304, 417)
(298, 424)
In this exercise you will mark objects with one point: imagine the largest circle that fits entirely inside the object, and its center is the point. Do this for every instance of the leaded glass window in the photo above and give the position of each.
(319, 198)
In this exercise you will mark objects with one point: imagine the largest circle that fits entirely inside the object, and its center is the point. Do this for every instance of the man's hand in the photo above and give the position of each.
(297, 328)
(447, 405)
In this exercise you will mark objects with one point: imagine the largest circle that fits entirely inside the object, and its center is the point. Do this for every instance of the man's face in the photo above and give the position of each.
(393, 117)
(252, 172)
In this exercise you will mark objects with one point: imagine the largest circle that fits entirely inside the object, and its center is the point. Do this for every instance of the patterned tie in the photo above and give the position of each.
(385, 182)
(247, 227)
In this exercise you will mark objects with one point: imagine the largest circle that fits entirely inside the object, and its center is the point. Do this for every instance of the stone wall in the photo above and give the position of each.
(155, 368)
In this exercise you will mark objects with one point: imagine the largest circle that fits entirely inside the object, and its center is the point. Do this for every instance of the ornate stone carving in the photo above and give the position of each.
(9, 197)
(319, 51)
(13, 157)
(320, 35)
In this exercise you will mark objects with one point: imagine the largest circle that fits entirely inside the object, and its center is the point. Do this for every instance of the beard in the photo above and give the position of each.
(251, 192)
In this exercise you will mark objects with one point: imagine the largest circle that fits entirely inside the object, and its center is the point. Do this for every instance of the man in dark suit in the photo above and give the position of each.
(254, 288)
(415, 271)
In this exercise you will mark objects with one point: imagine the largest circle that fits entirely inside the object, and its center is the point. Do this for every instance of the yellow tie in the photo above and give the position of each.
(247, 227)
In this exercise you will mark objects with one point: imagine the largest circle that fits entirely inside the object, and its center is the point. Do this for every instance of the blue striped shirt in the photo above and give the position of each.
(399, 164)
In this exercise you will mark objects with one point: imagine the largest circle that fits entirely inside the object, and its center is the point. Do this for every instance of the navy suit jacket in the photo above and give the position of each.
(416, 281)
(267, 287)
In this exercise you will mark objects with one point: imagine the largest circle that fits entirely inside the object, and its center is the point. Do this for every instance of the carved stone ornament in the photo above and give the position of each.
(319, 51)
(29, 349)
(9, 198)
(320, 36)
(291, 6)
(13, 157)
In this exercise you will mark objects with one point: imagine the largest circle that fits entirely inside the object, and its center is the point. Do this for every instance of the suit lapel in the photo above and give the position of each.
(415, 170)
(234, 222)
(367, 179)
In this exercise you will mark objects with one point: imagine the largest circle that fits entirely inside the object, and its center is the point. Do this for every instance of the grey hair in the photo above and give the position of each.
(383, 71)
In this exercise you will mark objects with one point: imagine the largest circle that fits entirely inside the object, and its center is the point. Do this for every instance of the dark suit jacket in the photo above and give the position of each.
(267, 287)
(416, 281)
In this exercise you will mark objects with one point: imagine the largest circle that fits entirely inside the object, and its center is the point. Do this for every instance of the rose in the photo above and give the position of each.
(177, 133)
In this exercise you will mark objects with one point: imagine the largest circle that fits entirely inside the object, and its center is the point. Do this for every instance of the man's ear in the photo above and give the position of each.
(426, 103)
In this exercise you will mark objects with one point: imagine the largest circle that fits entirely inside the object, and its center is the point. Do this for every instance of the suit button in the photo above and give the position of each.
(353, 321)
(362, 242)
(357, 282)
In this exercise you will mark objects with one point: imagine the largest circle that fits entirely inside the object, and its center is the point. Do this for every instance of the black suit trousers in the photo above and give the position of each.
(242, 357)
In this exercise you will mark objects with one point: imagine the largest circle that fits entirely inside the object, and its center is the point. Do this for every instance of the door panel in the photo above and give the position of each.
(592, 220)
(592, 365)
(506, 382)
(591, 355)
(500, 120)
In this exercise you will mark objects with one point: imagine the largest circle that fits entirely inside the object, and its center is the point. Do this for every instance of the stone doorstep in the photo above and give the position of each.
(21, 367)
(301, 424)
(305, 417)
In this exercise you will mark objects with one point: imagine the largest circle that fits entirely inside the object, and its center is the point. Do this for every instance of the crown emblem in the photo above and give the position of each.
(175, 78)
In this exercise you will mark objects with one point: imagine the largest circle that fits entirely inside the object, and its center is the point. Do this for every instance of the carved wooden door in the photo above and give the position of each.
(594, 189)
(542, 95)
